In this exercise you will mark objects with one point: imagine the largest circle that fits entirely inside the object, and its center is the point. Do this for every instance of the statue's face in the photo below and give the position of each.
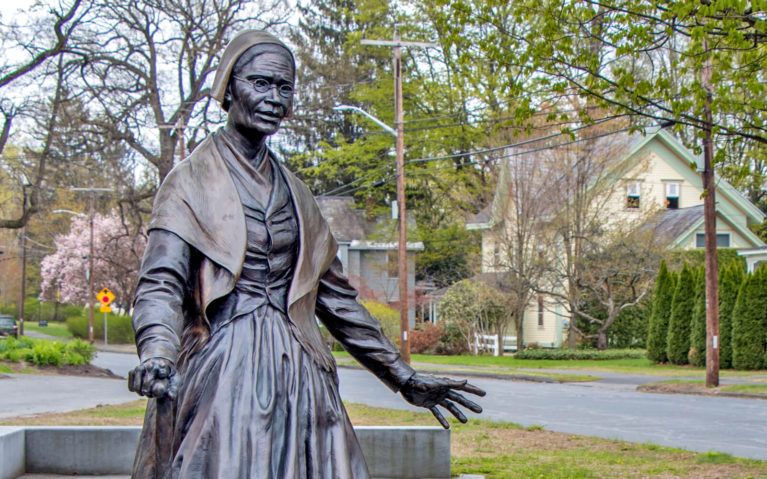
(260, 113)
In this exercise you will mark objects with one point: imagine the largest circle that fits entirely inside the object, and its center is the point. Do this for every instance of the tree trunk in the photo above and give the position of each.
(602, 340)
(571, 333)
(519, 323)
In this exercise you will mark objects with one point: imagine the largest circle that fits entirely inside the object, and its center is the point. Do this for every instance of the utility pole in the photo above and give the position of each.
(91, 295)
(404, 317)
(23, 241)
(91, 214)
(23, 275)
(709, 225)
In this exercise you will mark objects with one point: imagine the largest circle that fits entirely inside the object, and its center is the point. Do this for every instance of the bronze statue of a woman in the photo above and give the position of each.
(238, 263)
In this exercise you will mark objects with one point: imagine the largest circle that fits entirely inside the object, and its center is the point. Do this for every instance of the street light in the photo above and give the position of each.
(70, 212)
(91, 294)
(399, 134)
(375, 120)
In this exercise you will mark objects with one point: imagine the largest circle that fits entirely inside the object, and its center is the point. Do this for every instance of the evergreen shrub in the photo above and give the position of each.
(661, 311)
(730, 280)
(748, 322)
(678, 339)
(697, 353)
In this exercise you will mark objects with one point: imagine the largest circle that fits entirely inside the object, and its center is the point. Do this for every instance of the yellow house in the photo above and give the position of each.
(657, 179)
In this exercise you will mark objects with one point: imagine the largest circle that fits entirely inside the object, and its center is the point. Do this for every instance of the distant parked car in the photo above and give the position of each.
(8, 326)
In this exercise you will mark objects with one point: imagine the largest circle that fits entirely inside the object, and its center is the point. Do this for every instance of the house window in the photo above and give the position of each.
(632, 195)
(672, 196)
(392, 266)
(496, 253)
(722, 240)
(540, 311)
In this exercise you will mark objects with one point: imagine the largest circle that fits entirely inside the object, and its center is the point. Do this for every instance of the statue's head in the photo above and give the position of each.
(254, 82)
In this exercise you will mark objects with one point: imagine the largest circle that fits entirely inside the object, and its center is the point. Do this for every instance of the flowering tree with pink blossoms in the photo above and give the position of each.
(117, 256)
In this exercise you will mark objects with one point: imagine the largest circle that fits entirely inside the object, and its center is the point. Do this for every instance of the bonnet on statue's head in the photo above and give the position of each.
(241, 42)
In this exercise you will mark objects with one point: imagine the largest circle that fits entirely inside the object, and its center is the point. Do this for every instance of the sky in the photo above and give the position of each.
(8, 8)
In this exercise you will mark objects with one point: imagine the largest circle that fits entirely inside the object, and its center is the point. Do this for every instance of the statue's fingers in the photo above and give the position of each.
(453, 410)
(439, 417)
(159, 388)
(146, 385)
(135, 379)
(472, 389)
(161, 371)
(173, 387)
(470, 405)
(454, 383)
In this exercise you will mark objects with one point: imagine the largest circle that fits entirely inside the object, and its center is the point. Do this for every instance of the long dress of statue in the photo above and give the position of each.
(237, 264)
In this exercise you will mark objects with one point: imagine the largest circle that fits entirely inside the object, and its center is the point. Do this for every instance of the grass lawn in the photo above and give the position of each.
(627, 366)
(58, 330)
(747, 388)
(345, 359)
(699, 387)
(501, 450)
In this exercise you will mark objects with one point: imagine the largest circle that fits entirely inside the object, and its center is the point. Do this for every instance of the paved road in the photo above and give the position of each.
(27, 394)
(118, 363)
(699, 423)
(609, 409)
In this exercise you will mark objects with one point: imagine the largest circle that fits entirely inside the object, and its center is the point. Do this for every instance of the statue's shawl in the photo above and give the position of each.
(198, 202)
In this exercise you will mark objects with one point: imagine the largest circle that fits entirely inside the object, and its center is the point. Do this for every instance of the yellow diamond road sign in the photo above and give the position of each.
(105, 297)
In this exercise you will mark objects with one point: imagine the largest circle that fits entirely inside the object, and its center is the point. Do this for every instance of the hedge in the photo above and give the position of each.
(119, 328)
(34, 310)
(44, 352)
(697, 353)
(591, 354)
(697, 257)
(748, 322)
(730, 280)
(678, 340)
(661, 311)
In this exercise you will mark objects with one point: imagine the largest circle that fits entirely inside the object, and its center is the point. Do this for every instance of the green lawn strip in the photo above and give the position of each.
(127, 414)
(746, 388)
(498, 449)
(58, 330)
(699, 387)
(626, 366)
(436, 368)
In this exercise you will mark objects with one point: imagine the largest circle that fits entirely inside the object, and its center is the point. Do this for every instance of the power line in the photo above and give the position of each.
(459, 155)
(491, 160)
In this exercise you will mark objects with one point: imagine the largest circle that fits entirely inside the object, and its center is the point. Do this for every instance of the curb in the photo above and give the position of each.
(473, 374)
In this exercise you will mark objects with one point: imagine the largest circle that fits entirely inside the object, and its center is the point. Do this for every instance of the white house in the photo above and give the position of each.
(655, 178)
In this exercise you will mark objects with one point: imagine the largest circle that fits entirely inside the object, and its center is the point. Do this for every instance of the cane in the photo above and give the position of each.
(164, 424)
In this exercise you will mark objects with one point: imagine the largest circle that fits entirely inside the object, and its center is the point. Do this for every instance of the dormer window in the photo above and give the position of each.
(672, 196)
(633, 190)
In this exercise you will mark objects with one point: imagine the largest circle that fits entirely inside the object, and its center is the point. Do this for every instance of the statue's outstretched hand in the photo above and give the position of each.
(429, 391)
(154, 378)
